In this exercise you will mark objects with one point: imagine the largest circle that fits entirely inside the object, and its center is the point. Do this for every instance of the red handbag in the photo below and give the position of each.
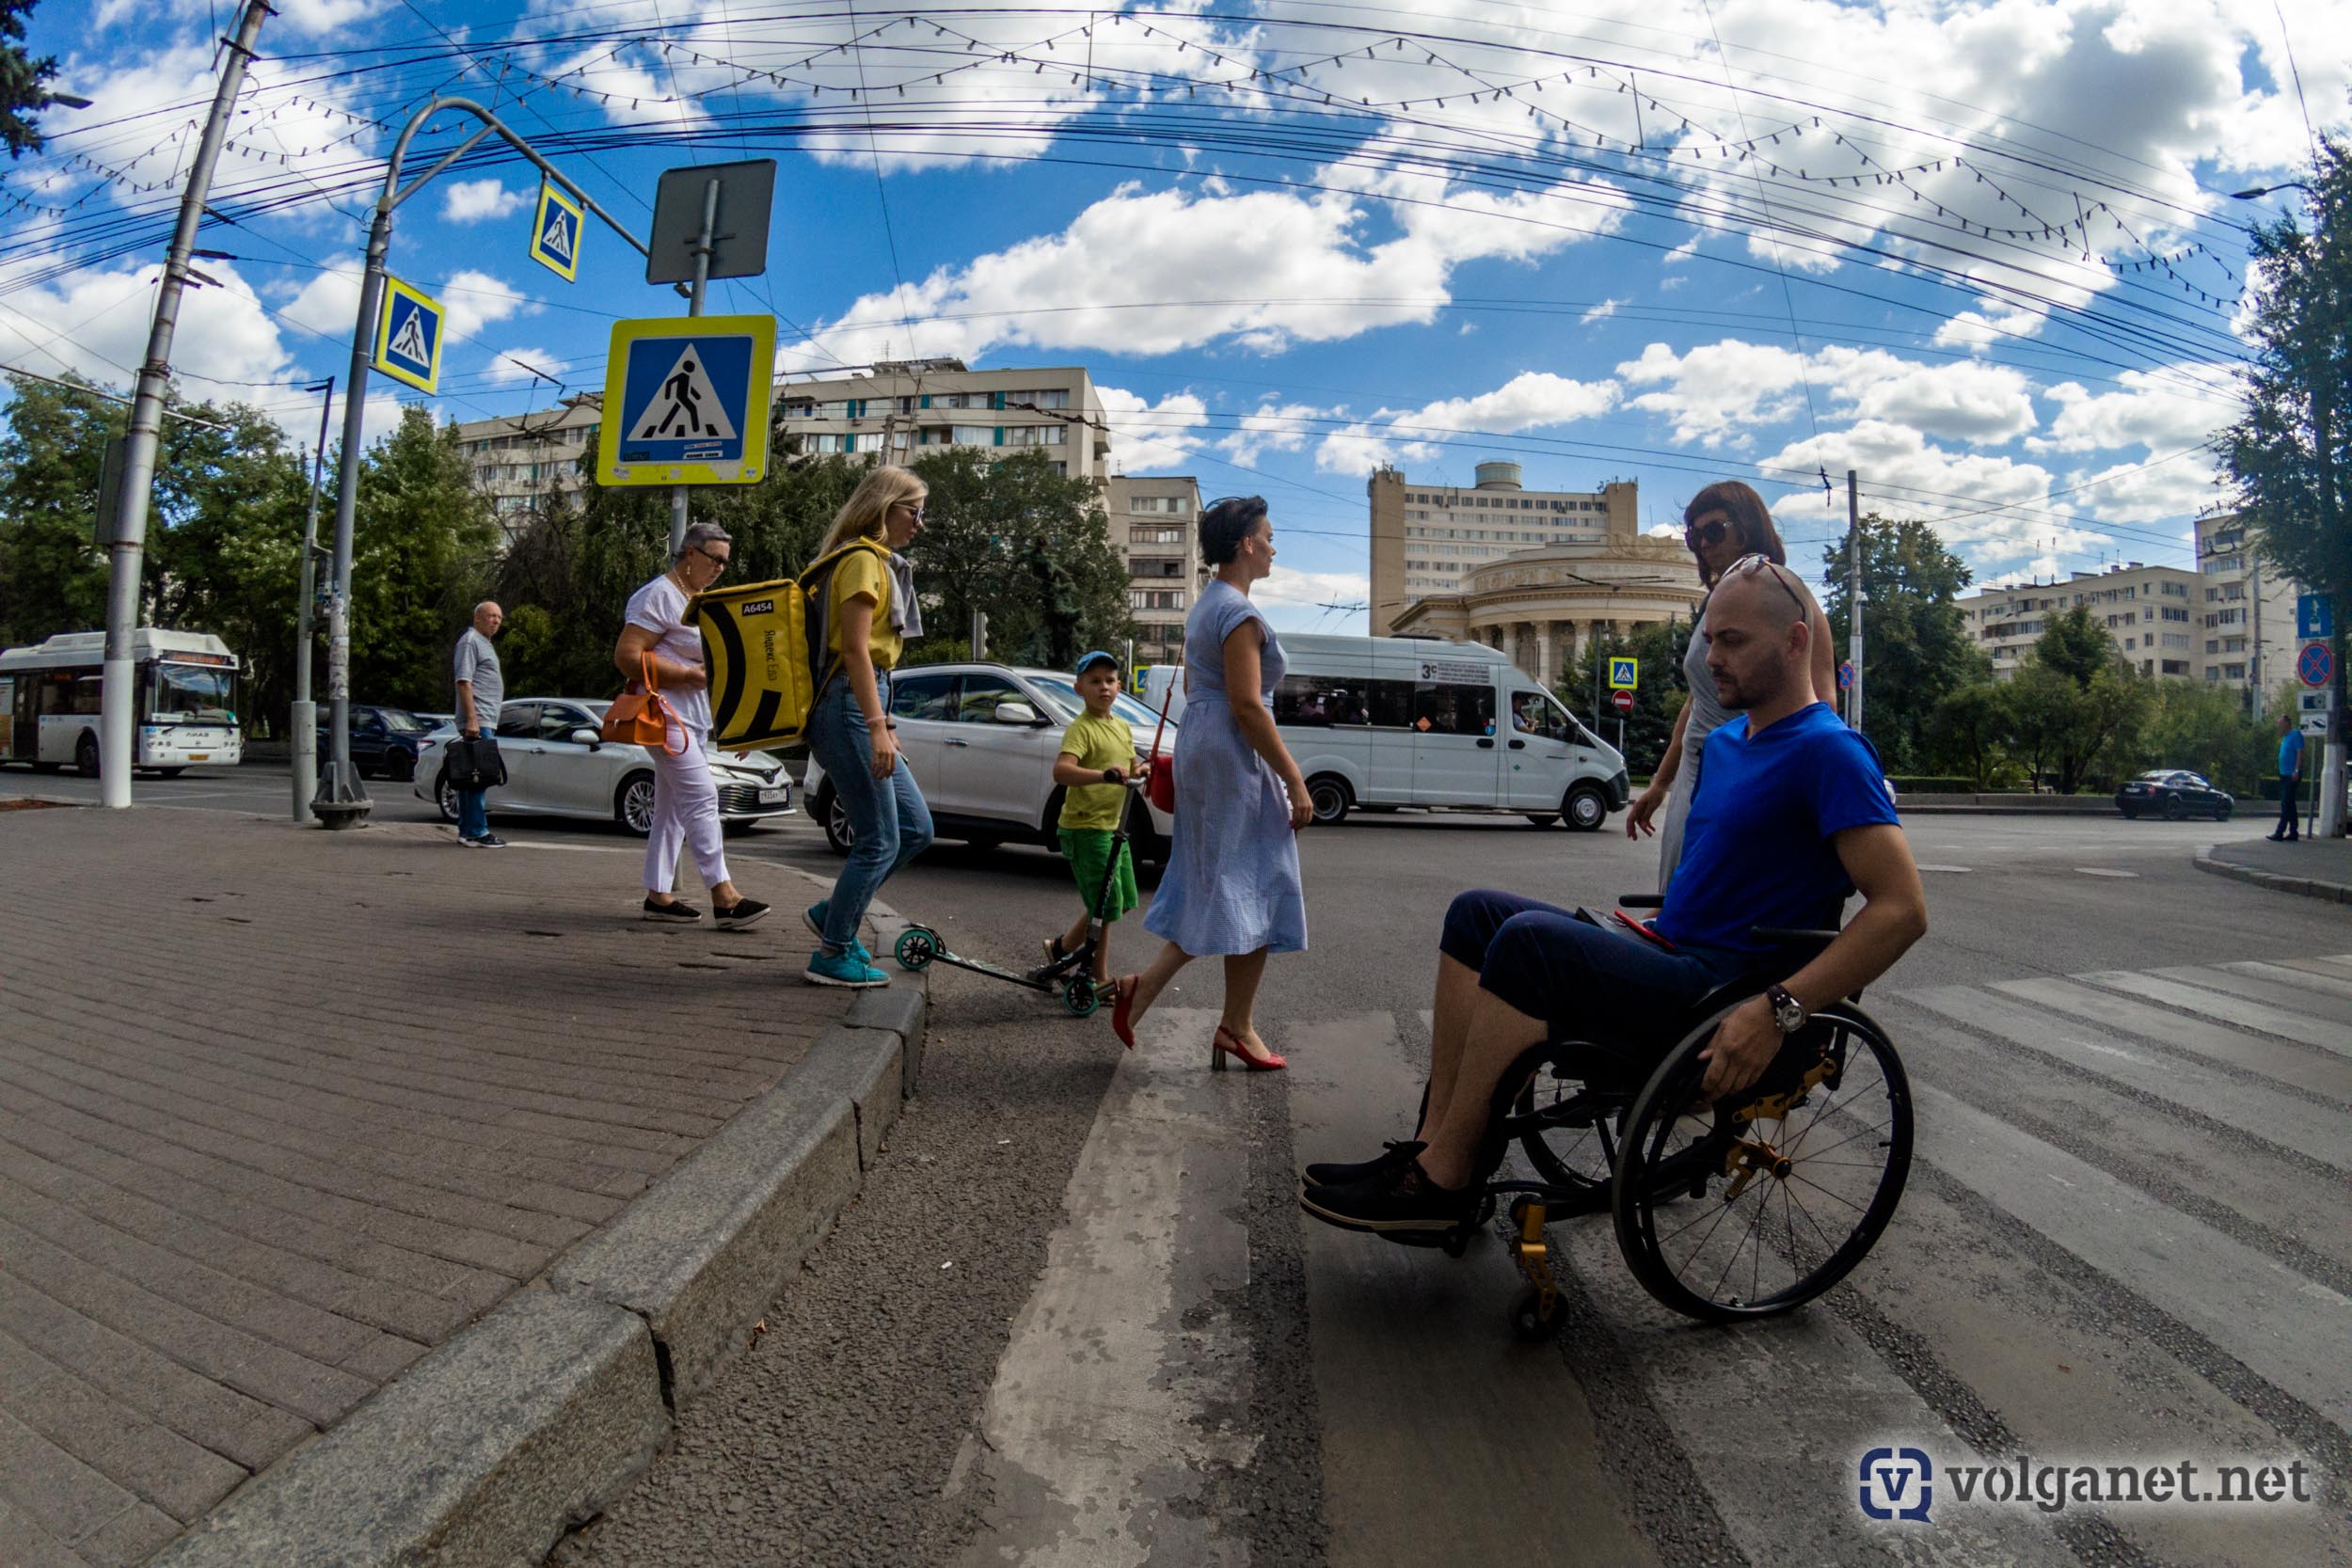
(1159, 778)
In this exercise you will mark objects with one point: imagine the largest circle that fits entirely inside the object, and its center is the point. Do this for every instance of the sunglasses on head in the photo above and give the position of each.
(1747, 565)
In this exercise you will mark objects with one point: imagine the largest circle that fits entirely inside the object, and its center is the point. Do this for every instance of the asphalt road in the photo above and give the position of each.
(1078, 1319)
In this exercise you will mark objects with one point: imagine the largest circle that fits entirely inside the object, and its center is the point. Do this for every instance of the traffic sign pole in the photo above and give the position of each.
(694, 308)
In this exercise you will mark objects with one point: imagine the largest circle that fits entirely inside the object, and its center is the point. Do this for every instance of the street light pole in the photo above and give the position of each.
(1854, 596)
(305, 719)
(128, 538)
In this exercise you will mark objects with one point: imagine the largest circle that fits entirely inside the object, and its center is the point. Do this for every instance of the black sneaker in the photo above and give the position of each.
(676, 910)
(741, 912)
(1402, 1200)
(1328, 1175)
(487, 841)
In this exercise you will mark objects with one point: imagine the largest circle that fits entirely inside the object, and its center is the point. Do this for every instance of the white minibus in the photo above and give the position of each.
(1378, 723)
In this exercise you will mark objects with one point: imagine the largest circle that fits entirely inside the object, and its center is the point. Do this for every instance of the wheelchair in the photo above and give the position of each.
(1739, 1208)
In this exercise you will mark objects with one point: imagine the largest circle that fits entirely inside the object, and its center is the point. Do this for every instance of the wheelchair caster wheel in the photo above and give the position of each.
(1529, 1319)
(917, 947)
(1080, 996)
(1457, 1241)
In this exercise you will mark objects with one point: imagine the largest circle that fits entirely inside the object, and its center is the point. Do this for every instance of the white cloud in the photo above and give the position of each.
(2142, 493)
(474, 299)
(2162, 411)
(1300, 590)
(1979, 331)
(1601, 313)
(225, 338)
(516, 364)
(1272, 425)
(1530, 401)
(472, 201)
(1962, 494)
(1720, 393)
(1153, 435)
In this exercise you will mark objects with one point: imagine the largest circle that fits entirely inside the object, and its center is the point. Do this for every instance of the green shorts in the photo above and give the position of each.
(1089, 850)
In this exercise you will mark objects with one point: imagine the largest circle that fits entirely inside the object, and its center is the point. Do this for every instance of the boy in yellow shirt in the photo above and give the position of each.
(1097, 758)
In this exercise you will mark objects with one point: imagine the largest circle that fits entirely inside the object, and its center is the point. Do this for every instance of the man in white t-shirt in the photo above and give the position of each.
(481, 689)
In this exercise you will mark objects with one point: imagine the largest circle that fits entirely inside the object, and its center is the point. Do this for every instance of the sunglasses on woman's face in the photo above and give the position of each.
(1709, 534)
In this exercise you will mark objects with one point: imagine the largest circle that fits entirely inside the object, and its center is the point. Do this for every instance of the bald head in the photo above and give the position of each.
(1759, 636)
(488, 617)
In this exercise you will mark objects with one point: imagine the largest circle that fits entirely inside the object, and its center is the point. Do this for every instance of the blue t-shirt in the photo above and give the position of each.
(2291, 752)
(1756, 851)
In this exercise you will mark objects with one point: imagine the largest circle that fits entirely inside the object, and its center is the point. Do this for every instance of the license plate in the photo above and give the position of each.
(773, 796)
(200, 756)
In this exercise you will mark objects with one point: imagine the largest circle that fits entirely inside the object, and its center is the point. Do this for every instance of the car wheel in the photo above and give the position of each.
(1330, 796)
(2174, 808)
(85, 756)
(2221, 814)
(445, 797)
(1586, 809)
(632, 804)
(2129, 815)
(838, 834)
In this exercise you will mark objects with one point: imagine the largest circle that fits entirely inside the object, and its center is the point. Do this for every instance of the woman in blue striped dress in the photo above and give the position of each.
(1231, 885)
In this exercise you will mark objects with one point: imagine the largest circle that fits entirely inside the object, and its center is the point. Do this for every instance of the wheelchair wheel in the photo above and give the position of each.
(1757, 1204)
(917, 947)
(1570, 1136)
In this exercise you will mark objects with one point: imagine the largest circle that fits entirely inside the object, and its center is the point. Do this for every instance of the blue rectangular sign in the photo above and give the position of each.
(2314, 616)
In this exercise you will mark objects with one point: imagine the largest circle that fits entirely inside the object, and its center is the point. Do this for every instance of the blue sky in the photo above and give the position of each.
(1982, 254)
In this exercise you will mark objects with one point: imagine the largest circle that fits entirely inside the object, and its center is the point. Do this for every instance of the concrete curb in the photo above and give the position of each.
(2309, 887)
(526, 1423)
(1994, 805)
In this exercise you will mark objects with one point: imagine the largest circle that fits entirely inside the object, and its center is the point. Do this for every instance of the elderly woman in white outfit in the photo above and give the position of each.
(685, 798)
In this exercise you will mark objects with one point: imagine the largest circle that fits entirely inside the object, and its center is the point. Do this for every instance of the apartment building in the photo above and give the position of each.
(898, 410)
(2247, 617)
(521, 460)
(1155, 521)
(2154, 614)
(1426, 539)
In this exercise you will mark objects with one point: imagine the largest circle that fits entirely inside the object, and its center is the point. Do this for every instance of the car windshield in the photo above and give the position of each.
(401, 721)
(1064, 696)
(195, 692)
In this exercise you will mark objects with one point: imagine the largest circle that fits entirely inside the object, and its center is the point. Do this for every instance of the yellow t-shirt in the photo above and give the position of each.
(1097, 743)
(861, 571)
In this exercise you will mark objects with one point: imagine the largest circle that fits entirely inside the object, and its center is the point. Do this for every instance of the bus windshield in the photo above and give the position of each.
(193, 693)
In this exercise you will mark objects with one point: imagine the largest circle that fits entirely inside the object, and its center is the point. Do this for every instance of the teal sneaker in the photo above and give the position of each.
(814, 918)
(842, 969)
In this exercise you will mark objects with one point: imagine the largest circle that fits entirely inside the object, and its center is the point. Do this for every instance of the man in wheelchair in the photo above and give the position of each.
(1791, 815)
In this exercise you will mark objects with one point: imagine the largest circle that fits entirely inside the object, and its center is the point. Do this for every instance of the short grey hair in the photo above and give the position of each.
(699, 534)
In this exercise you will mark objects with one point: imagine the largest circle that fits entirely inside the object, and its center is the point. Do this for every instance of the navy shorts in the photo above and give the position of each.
(1584, 981)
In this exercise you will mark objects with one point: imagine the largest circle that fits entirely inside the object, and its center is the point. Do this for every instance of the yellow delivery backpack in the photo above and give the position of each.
(767, 646)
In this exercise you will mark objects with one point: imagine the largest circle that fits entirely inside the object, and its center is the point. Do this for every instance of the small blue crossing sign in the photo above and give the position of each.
(408, 335)
(1624, 674)
(555, 233)
(686, 401)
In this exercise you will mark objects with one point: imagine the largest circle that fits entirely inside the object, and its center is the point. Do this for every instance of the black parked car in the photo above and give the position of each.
(382, 740)
(2173, 793)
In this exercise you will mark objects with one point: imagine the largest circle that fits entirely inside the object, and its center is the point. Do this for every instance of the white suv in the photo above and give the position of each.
(981, 739)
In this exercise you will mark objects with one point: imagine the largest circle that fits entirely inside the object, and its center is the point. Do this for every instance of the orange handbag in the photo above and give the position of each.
(643, 718)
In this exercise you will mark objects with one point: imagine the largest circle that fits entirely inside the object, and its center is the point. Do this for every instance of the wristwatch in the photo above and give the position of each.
(1788, 1014)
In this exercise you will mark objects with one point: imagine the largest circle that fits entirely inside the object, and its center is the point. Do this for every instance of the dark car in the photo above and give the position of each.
(382, 740)
(2173, 793)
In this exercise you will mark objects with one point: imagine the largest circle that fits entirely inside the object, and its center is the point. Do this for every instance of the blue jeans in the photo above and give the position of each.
(473, 812)
(889, 824)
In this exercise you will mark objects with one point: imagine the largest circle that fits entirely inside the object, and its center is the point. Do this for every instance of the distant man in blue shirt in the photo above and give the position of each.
(2290, 777)
(1791, 815)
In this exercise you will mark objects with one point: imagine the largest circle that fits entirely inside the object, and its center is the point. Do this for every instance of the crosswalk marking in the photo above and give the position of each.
(2236, 1011)
(2315, 1131)
(2289, 1064)
(2312, 978)
(2236, 980)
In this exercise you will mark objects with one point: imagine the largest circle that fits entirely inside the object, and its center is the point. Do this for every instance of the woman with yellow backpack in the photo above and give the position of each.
(870, 614)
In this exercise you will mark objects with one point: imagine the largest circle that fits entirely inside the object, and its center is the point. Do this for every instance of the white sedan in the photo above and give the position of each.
(557, 765)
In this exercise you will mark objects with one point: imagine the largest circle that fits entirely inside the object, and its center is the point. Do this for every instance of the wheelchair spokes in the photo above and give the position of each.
(1751, 1207)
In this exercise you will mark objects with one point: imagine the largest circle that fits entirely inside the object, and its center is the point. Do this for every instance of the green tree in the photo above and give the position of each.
(1028, 546)
(421, 557)
(52, 578)
(2074, 705)
(1649, 729)
(23, 81)
(1969, 730)
(1916, 647)
(2207, 729)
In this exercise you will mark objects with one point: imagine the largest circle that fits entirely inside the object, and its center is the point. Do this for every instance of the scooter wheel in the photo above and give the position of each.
(917, 947)
(1080, 996)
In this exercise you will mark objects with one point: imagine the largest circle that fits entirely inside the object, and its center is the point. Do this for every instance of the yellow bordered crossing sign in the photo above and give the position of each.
(1625, 674)
(555, 233)
(686, 401)
(408, 329)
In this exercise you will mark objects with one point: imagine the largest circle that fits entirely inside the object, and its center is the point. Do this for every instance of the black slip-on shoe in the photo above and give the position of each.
(739, 913)
(1332, 1174)
(676, 910)
(1402, 1200)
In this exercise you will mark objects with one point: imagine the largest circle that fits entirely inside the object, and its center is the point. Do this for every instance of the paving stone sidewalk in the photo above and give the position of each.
(281, 1109)
(2316, 867)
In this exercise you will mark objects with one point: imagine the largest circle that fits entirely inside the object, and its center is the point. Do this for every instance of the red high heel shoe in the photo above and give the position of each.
(1218, 1050)
(1123, 999)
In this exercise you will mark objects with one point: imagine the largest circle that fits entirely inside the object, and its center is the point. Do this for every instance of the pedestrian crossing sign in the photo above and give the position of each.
(555, 233)
(686, 401)
(1625, 674)
(408, 335)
